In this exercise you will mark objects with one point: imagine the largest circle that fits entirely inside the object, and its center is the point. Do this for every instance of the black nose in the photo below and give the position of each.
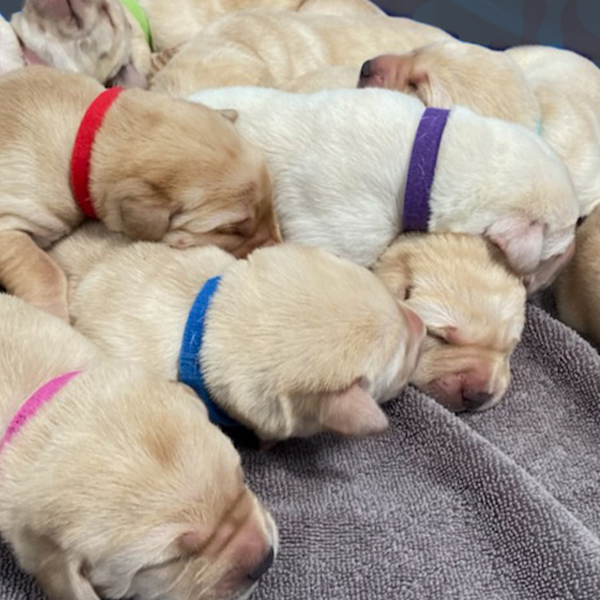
(263, 567)
(365, 70)
(474, 400)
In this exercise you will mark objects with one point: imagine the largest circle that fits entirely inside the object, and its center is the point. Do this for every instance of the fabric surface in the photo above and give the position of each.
(501, 505)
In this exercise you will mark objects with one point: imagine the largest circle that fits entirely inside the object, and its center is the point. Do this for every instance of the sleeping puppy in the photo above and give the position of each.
(93, 37)
(161, 169)
(553, 92)
(119, 487)
(11, 56)
(297, 341)
(273, 48)
(577, 290)
(339, 162)
(473, 307)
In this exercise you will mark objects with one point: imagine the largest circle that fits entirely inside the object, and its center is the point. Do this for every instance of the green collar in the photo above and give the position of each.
(140, 16)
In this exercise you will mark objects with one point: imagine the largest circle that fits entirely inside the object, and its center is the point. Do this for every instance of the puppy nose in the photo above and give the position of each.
(475, 399)
(263, 567)
(365, 70)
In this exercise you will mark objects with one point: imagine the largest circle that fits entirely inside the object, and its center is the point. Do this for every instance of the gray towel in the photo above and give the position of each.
(502, 505)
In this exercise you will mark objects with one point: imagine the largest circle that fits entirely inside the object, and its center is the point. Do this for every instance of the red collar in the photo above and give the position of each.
(82, 150)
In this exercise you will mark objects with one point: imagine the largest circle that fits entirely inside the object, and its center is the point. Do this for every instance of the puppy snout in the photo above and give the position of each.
(263, 566)
(475, 400)
(365, 70)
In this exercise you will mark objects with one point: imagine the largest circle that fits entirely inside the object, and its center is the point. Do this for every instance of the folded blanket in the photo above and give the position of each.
(502, 505)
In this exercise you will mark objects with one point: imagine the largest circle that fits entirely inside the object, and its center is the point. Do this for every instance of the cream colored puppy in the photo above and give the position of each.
(273, 48)
(11, 56)
(339, 162)
(473, 307)
(297, 341)
(554, 92)
(93, 37)
(119, 486)
(171, 27)
(578, 288)
(161, 169)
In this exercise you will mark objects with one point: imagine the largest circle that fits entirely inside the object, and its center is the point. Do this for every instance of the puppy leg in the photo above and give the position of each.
(28, 272)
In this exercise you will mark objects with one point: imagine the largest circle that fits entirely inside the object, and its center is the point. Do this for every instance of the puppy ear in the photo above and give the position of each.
(11, 57)
(145, 215)
(429, 89)
(353, 412)
(229, 113)
(521, 241)
(61, 576)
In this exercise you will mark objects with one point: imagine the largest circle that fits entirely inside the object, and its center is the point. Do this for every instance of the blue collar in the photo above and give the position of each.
(190, 369)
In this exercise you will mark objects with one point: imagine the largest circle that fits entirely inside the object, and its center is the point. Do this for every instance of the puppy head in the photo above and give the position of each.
(448, 73)
(11, 56)
(518, 193)
(473, 308)
(84, 36)
(299, 341)
(148, 501)
(188, 178)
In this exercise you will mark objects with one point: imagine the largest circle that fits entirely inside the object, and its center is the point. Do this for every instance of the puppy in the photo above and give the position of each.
(11, 56)
(297, 341)
(160, 170)
(553, 92)
(273, 48)
(93, 37)
(577, 290)
(339, 161)
(473, 307)
(119, 487)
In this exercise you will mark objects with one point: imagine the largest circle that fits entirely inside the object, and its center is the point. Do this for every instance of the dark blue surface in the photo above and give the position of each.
(8, 7)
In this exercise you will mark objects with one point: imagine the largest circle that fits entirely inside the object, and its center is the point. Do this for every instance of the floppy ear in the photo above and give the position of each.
(61, 576)
(521, 241)
(429, 88)
(54, 10)
(145, 214)
(353, 412)
(229, 113)
(11, 56)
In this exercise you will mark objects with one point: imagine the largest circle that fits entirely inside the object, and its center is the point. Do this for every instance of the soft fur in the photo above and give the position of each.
(119, 486)
(473, 307)
(93, 37)
(552, 91)
(297, 340)
(339, 160)
(578, 288)
(274, 48)
(161, 169)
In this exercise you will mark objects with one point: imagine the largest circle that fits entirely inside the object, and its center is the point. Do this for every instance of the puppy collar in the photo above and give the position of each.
(31, 406)
(190, 367)
(82, 149)
(421, 170)
(137, 12)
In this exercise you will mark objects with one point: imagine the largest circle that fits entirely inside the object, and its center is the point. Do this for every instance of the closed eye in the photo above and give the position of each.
(436, 335)
(74, 16)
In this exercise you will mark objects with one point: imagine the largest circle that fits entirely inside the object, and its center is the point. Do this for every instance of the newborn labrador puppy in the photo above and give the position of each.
(577, 290)
(161, 169)
(273, 48)
(473, 307)
(296, 340)
(118, 486)
(93, 37)
(552, 91)
(339, 161)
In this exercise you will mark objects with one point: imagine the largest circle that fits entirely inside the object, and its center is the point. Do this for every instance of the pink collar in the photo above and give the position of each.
(30, 407)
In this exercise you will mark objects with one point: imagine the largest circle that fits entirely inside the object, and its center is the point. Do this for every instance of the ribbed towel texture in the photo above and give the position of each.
(502, 505)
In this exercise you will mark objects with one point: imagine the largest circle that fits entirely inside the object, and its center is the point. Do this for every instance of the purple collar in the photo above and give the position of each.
(421, 170)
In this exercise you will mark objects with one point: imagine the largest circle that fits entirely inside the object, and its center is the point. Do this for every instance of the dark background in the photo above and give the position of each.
(573, 24)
